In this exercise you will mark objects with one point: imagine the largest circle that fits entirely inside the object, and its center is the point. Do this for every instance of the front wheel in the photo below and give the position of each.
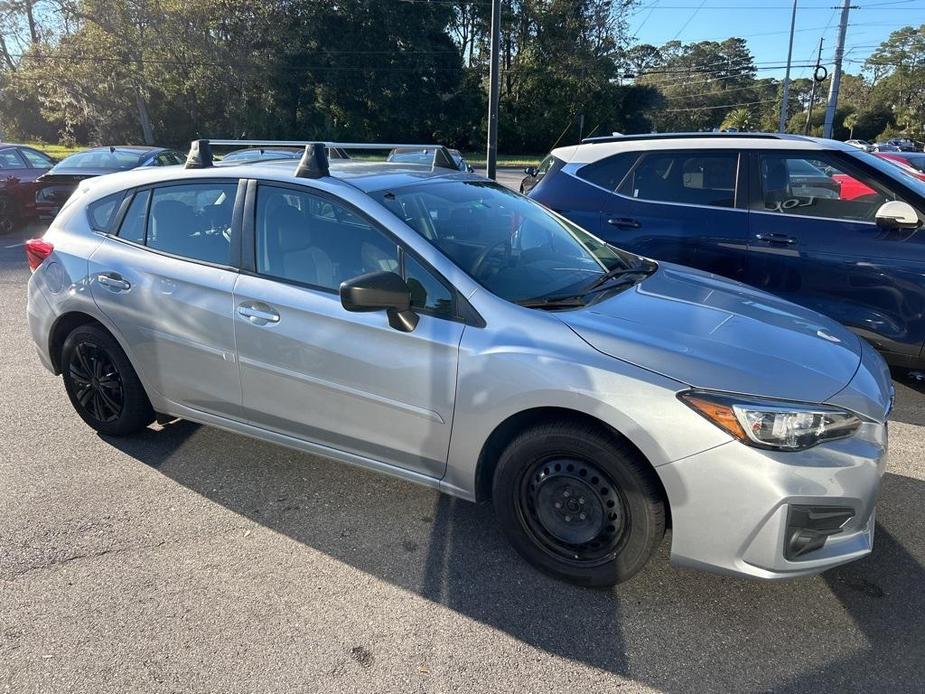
(101, 383)
(578, 504)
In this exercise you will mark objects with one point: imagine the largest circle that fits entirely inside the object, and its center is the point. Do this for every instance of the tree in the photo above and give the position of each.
(851, 121)
(738, 118)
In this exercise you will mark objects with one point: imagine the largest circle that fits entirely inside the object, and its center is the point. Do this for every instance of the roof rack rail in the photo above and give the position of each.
(677, 136)
(315, 157)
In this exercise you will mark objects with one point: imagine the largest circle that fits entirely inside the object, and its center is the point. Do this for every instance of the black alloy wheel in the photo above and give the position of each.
(99, 389)
(101, 383)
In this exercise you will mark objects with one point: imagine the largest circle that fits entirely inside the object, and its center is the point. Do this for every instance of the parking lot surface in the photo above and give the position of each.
(189, 559)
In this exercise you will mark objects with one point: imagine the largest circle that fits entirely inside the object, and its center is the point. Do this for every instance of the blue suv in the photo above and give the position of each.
(814, 221)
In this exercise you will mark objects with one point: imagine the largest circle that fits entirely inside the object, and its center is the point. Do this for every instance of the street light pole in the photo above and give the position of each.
(494, 90)
(812, 93)
(836, 72)
(782, 125)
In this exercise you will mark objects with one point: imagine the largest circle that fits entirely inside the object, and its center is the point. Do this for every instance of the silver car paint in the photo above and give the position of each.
(521, 360)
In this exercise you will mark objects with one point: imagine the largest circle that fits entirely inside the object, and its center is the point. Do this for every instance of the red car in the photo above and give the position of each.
(913, 163)
(19, 167)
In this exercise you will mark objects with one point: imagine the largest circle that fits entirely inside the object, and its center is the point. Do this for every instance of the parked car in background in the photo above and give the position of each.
(20, 166)
(56, 186)
(438, 327)
(268, 153)
(886, 147)
(534, 174)
(861, 144)
(911, 162)
(425, 156)
(739, 206)
(904, 144)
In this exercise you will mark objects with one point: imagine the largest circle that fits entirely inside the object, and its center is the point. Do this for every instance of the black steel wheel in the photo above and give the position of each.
(579, 502)
(573, 509)
(101, 383)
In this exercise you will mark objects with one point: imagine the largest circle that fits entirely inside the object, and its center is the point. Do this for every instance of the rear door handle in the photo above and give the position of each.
(114, 281)
(624, 222)
(782, 239)
(258, 314)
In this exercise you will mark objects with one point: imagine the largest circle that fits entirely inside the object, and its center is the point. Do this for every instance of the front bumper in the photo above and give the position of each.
(731, 505)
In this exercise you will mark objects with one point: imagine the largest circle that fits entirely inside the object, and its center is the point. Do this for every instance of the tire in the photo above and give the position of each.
(610, 515)
(9, 215)
(101, 383)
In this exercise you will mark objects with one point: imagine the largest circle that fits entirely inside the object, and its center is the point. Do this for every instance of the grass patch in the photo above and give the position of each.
(56, 151)
(507, 161)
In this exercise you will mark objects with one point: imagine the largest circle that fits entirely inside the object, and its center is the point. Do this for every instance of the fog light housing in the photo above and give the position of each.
(808, 527)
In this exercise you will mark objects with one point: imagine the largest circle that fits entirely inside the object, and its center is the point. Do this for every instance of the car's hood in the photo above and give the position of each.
(714, 333)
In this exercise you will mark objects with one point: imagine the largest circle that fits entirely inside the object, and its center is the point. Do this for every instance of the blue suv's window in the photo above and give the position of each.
(692, 178)
(609, 173)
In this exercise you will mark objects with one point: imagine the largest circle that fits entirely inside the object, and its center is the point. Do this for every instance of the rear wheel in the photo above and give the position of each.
(101, 383)
(578, 504)
(9, 215)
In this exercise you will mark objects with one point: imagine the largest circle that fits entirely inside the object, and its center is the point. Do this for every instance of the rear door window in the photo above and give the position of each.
(10, 159)
(36, 160)
(193, 220)
(691, 178)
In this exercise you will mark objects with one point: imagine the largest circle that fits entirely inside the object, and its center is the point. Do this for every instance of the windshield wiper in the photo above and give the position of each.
(562, 301)
(619, 272)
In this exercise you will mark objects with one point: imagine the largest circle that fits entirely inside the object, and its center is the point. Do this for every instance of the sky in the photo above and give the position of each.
(765, 25)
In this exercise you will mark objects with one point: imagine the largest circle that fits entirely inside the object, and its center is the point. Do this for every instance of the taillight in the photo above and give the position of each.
(36, 251)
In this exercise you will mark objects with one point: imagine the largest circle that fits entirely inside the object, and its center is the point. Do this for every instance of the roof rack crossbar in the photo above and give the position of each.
(442, 157)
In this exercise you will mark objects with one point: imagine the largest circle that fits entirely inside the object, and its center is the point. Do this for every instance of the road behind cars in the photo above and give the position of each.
(189, 559)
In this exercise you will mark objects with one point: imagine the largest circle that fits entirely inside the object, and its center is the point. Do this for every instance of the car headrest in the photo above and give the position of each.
(776, 177)
(171, 217)
(290, 227)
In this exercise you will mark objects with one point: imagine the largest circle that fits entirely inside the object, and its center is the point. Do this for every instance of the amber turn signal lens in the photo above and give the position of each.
(721, 415)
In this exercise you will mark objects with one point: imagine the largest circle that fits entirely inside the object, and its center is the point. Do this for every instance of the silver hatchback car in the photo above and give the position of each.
(435, 326)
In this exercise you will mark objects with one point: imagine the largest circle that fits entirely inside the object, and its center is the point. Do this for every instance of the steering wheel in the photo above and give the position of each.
(477, 265)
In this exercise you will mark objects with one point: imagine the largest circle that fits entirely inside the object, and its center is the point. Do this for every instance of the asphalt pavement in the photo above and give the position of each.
(188, 559)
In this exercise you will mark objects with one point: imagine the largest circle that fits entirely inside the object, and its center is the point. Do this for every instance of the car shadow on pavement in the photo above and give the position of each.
(858, 627)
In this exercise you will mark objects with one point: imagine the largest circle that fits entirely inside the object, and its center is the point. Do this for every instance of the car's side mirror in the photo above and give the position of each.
(897, 214)
(530, 171)
(381, 291)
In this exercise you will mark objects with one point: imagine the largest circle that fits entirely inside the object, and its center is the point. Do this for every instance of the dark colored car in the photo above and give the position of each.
(534, 174)
(20, 166)
(56, 186)
(904, 144)
(752, 207)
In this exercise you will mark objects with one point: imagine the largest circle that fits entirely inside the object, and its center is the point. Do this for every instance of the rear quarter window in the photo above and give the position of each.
(102, 213)
(608, 173)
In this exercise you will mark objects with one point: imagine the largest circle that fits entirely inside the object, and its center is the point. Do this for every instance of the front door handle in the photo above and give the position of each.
(258, 313)
(781, 239)
(624, 222)
(114, 281)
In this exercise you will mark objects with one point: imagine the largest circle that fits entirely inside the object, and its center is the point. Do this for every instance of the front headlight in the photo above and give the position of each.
(782, 426)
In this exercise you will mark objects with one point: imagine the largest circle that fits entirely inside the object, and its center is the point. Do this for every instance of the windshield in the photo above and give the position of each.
(897, 173)
(101, 159)
(509, 244)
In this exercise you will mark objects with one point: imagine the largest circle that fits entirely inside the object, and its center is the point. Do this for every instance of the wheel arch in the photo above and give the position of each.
(63, 326)
(504, 432)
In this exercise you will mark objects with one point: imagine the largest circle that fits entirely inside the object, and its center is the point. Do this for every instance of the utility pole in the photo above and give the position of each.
(812, 92)
(782, 125)
(836, 73)
(494, 90)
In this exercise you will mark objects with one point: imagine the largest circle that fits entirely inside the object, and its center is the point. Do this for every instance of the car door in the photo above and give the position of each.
(313, 371)
(823, 249)
(165, 279)
(682, 206)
